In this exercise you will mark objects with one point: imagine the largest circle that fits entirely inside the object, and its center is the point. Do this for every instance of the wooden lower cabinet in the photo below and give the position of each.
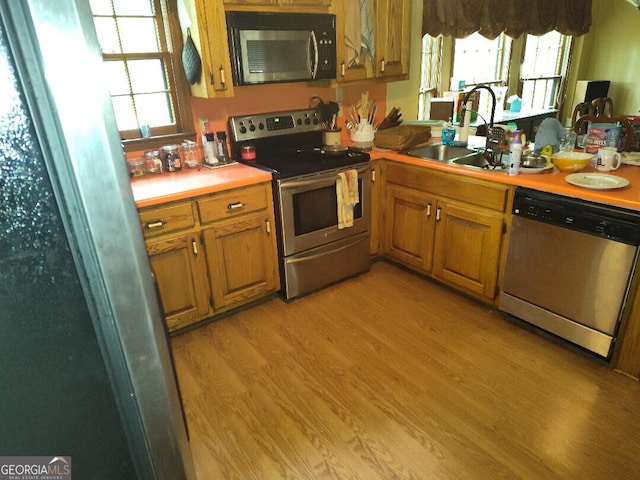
(212, 253)
(241, 260)
(466, 251)
(432, 226)
(409, 231)
(179, 268)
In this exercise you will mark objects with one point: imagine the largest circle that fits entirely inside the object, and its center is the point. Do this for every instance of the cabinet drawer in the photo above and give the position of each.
(234, 202)
(159, 220)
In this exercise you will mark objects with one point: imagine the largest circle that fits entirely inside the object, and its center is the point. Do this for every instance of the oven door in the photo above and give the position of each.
(309, 210)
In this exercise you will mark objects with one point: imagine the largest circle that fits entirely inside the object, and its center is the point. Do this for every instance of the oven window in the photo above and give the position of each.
(317, 209)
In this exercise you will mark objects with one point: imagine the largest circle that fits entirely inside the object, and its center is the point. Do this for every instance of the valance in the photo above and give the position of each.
(490, 18)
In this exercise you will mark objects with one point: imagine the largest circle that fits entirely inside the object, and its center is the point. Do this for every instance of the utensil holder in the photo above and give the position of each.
(363, 133)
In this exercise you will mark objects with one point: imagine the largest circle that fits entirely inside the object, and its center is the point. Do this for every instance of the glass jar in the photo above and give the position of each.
(568, 142)
(190, 154)
(153, 164)
(171, 158)
(136, 167)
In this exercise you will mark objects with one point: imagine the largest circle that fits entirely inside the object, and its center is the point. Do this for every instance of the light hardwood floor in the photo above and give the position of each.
(390, 376)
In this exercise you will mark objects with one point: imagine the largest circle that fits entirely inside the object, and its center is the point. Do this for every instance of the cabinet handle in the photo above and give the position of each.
(223, 80)
(438, 214)
(156, 224)
(268, 226)
(373, 176)
(342, 69)
(382, 65)
(429, 210)
(194, 245)
(235, 206)
(210, 78)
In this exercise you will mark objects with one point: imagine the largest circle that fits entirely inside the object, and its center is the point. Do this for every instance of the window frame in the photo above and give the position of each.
(171, 40)
(511, 68)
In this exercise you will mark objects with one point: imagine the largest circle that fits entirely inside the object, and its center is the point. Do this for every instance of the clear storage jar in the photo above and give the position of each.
(171, 158)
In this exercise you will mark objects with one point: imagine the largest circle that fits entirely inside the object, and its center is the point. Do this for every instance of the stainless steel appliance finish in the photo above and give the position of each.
(281, 47)
(313, 251)
(569, 266)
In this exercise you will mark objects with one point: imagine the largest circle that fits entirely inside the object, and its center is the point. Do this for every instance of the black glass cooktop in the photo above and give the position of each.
(294, 163)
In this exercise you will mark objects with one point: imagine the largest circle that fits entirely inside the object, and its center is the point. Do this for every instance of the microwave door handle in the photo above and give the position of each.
(313, 43)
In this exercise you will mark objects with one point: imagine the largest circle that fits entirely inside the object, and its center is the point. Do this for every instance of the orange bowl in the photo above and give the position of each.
(571, 161)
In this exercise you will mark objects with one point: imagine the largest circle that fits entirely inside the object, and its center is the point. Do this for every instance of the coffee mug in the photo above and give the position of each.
(608, 159)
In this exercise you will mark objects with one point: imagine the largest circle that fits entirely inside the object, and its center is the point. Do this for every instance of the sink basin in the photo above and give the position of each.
(441, 153)
(476, 160)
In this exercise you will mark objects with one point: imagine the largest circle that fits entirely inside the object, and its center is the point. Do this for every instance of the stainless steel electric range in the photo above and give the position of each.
(313, 251)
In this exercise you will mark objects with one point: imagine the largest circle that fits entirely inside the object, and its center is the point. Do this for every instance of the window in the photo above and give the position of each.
(139, 66)
(545, 63)
(477, 60)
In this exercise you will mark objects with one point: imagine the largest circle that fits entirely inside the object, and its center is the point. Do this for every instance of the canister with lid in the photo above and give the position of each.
(171, 157)
(153, 164)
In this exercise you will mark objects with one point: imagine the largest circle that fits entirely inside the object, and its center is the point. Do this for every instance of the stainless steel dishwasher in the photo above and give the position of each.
(569, 267)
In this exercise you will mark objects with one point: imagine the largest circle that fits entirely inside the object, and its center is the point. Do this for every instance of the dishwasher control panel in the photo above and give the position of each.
(596, 219)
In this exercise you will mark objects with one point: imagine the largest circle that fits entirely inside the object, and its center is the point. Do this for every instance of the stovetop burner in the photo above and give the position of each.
(289, 143)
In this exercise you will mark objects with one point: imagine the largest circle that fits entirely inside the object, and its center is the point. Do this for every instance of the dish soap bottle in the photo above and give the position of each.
(448, 133)
(515, 153)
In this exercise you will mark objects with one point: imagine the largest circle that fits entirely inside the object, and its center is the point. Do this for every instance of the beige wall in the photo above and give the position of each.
(610, 51)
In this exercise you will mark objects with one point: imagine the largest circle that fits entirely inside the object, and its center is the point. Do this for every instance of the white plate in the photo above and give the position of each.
(596, 181)
(535, 170)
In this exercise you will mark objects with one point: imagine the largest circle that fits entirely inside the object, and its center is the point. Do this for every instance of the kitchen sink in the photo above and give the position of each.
(476, 160)
(453, 155)
(440, 152)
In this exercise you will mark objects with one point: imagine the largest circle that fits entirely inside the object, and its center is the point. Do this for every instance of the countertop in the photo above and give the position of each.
(552, 181)
(150, 190)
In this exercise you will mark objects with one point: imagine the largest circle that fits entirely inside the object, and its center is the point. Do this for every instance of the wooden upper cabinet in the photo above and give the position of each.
(392, 35)
(393, 28)
(209, 34)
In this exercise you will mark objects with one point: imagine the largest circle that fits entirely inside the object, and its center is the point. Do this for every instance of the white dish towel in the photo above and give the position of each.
(348, 197)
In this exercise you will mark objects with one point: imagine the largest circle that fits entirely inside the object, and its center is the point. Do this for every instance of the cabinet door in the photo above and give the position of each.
(467, 247)
(346, 71)
(242, 260)
(409, 226)
(209, 33)
(180, 271)
(393, 28)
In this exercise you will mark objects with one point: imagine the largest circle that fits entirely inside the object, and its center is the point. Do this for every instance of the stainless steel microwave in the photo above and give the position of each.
(281, 47)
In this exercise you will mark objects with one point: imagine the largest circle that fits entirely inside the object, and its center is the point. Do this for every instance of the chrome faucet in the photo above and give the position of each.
(494, 160)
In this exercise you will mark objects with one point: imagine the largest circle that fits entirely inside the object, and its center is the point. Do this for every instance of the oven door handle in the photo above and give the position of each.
(315, 181)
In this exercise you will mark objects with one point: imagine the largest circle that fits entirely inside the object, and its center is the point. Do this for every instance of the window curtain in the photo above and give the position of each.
(490, 18)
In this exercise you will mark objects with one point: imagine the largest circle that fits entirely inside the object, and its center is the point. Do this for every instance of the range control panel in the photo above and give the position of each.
(273, 124)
